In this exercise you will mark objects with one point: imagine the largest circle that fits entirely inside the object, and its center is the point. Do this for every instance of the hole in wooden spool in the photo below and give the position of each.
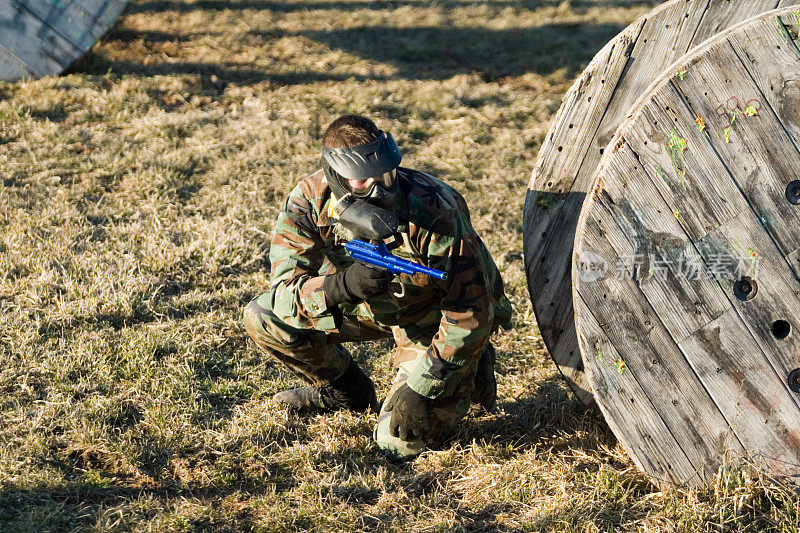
(745, 289)
(794, 380)
(793, 192)
(781, 329)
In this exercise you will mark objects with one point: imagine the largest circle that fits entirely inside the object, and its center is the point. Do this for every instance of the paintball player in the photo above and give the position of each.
(320, 297)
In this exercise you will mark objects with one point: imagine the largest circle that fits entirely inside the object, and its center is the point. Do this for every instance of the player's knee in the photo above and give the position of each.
(257, 317)
(267, 329)
(395, 448)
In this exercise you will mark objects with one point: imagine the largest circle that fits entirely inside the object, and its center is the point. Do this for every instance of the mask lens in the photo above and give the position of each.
(386, 179)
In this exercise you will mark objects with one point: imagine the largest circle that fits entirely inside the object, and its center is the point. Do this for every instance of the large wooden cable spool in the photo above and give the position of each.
(592, 110)
(687, 264)
(44, 37)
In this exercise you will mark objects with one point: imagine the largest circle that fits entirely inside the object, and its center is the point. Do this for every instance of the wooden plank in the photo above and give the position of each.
(41, 49)
(652, 248)
(662, 40)
(621, 398)
(726, 14)
(104, 11)
(794, 260)
(778, 296)
(46, 36)
(756, 150)
(593, 108)
(736, 355)
(780, 90)
(687, 180)
(11, 67)
(68, 19)
(754, 399)
(629, 323)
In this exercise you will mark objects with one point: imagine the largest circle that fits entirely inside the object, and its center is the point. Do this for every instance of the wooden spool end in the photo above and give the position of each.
(687, 268)
(44, 37)
(592, 110)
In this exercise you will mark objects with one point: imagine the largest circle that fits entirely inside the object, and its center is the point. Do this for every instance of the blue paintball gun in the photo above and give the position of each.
(378, 255)
(375, 224)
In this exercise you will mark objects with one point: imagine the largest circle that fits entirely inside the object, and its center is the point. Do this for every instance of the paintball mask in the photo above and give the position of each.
(377, 160)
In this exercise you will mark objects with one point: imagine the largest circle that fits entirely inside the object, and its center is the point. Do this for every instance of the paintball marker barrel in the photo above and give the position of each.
(378, 255)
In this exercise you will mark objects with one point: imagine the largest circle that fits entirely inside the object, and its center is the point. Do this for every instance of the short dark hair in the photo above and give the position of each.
(350, 130)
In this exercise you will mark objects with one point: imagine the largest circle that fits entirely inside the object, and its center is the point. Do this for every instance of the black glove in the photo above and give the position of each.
(411, 414)
(355, 284)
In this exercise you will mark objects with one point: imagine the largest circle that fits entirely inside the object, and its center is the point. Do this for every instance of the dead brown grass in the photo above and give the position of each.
(137, 198)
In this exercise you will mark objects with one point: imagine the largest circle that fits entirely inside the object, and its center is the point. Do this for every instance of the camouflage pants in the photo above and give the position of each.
(318, 357)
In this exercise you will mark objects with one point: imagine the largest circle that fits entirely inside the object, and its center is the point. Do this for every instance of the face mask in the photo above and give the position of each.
(377, 159)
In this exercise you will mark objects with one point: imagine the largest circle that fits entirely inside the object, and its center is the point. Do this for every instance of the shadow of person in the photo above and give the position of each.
(551, 413)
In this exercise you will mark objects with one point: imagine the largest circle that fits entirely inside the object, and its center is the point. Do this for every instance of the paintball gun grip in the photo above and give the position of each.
(378, 255)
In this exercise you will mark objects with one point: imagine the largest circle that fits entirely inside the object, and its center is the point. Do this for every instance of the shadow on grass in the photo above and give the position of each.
(80, 504)
(442, 52)
(156, 6)
(224, 74)
(551, 411)
(417, 53)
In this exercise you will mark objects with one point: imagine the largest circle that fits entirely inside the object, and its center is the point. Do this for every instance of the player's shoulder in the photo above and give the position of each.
(314, 188)
(429, 192)
(433, 206)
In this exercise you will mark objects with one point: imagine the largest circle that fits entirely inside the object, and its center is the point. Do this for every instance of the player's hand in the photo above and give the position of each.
(411, 414)
(356, 283)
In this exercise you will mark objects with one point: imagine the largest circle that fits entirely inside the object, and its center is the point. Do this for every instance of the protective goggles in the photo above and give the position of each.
(373, 160)
(386, 179)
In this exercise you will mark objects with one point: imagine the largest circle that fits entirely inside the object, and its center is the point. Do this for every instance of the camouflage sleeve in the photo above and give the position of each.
(296, 255)
(467, 313)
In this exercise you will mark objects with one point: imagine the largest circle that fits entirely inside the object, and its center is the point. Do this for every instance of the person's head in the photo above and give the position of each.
(360, 160)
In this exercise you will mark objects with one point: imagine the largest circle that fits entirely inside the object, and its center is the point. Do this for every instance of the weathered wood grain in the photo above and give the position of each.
(42, 50)
(593, 108)
(673, 187)
(11, 67)
(68, 19)
(743, 387)
(756, 151)
(633, 327)
(628, 409)
(652, 244)
(687, 180)
(43, 37)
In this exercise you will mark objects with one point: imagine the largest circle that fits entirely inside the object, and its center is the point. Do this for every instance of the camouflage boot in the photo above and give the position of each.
(485, 393)
(352, 390)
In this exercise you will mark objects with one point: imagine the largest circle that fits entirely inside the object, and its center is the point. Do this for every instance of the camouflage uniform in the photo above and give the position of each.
(441, 328)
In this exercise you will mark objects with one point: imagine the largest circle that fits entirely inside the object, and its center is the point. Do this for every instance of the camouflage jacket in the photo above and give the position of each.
(437, 232)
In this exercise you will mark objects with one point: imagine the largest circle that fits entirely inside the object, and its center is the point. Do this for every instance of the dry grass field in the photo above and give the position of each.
(137, 198)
